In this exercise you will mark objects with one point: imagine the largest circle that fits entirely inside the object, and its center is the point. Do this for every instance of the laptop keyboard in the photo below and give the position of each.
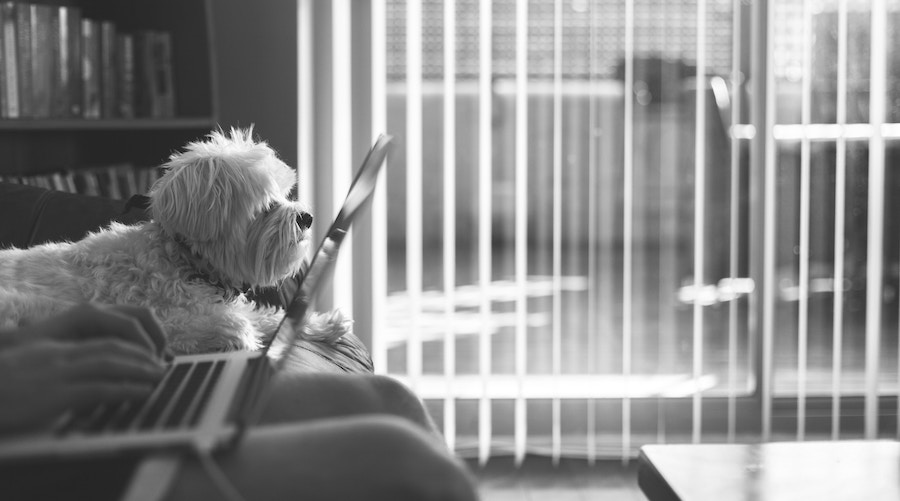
(177, 402)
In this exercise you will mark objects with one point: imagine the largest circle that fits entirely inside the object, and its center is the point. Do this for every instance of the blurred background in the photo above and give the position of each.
(613, 223)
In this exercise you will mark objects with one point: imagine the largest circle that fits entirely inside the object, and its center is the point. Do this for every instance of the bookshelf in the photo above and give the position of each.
(167, 98)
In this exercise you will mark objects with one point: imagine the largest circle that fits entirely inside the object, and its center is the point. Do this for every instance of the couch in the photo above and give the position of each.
(30, 216)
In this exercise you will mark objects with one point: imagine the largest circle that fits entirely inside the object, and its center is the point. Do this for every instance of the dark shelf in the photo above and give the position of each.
(39, 145)
(105, 124)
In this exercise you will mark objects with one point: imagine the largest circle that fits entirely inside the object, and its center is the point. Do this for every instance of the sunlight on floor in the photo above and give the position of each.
(570, 480)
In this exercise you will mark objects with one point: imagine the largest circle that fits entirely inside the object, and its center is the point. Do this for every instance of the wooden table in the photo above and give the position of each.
(841, 470)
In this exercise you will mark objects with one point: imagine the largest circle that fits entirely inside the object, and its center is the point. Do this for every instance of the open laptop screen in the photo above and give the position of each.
(322, 264)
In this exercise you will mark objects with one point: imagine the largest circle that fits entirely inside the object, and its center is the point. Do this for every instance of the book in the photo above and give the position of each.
(104, 184)
(125, 75)
(140, 177)
(86, 182)
(143, 71)
(146, 177)
(23, 56)
(41, 67)
(108, 70)
(9, 85)
(59, 52)
(4, 107)
(131, 184)
(76, 80)
(164, 85)
(90, 68)
(59, 184)
(114, 180)
(154, 77)
(43, 181)
(156, 172)
(69, 181)
(66, 58)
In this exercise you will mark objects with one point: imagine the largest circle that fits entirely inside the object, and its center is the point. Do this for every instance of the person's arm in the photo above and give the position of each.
(81, 358)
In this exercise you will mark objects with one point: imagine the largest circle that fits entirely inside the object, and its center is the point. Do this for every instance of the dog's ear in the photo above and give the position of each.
(192, 200)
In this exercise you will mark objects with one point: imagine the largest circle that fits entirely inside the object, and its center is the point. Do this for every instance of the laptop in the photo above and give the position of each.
(204, 402)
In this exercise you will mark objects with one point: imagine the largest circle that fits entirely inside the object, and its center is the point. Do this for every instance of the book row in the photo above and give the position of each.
(55, 63)
(119, 181)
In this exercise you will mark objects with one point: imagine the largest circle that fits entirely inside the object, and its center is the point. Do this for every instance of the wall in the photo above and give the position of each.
(256, 66)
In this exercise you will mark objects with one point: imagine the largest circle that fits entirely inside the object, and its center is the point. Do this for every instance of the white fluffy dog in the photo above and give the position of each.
(222, 222)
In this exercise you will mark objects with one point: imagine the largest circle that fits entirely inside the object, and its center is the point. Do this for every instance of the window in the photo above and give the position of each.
(583, 244)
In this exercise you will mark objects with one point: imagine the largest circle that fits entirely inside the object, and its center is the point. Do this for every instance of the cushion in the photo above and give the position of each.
(30, 215)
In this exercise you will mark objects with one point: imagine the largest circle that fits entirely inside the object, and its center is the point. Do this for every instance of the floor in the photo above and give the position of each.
(589, 337)
(570, 480)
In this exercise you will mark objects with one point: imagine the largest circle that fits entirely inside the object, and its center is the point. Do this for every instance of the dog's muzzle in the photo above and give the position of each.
(304, 220)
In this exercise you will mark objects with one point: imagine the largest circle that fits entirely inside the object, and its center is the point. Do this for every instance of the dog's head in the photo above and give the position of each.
(226, 199)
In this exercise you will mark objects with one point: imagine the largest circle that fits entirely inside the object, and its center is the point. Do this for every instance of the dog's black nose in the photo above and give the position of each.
(304, 220)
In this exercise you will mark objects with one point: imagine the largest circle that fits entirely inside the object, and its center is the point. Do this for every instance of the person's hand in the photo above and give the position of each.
(86, 356)
(131, 324)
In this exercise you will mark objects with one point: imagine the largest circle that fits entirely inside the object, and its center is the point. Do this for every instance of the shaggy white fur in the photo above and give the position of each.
(221, 222)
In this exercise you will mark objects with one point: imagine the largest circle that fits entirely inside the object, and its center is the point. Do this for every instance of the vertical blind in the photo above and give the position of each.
(608, 223)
